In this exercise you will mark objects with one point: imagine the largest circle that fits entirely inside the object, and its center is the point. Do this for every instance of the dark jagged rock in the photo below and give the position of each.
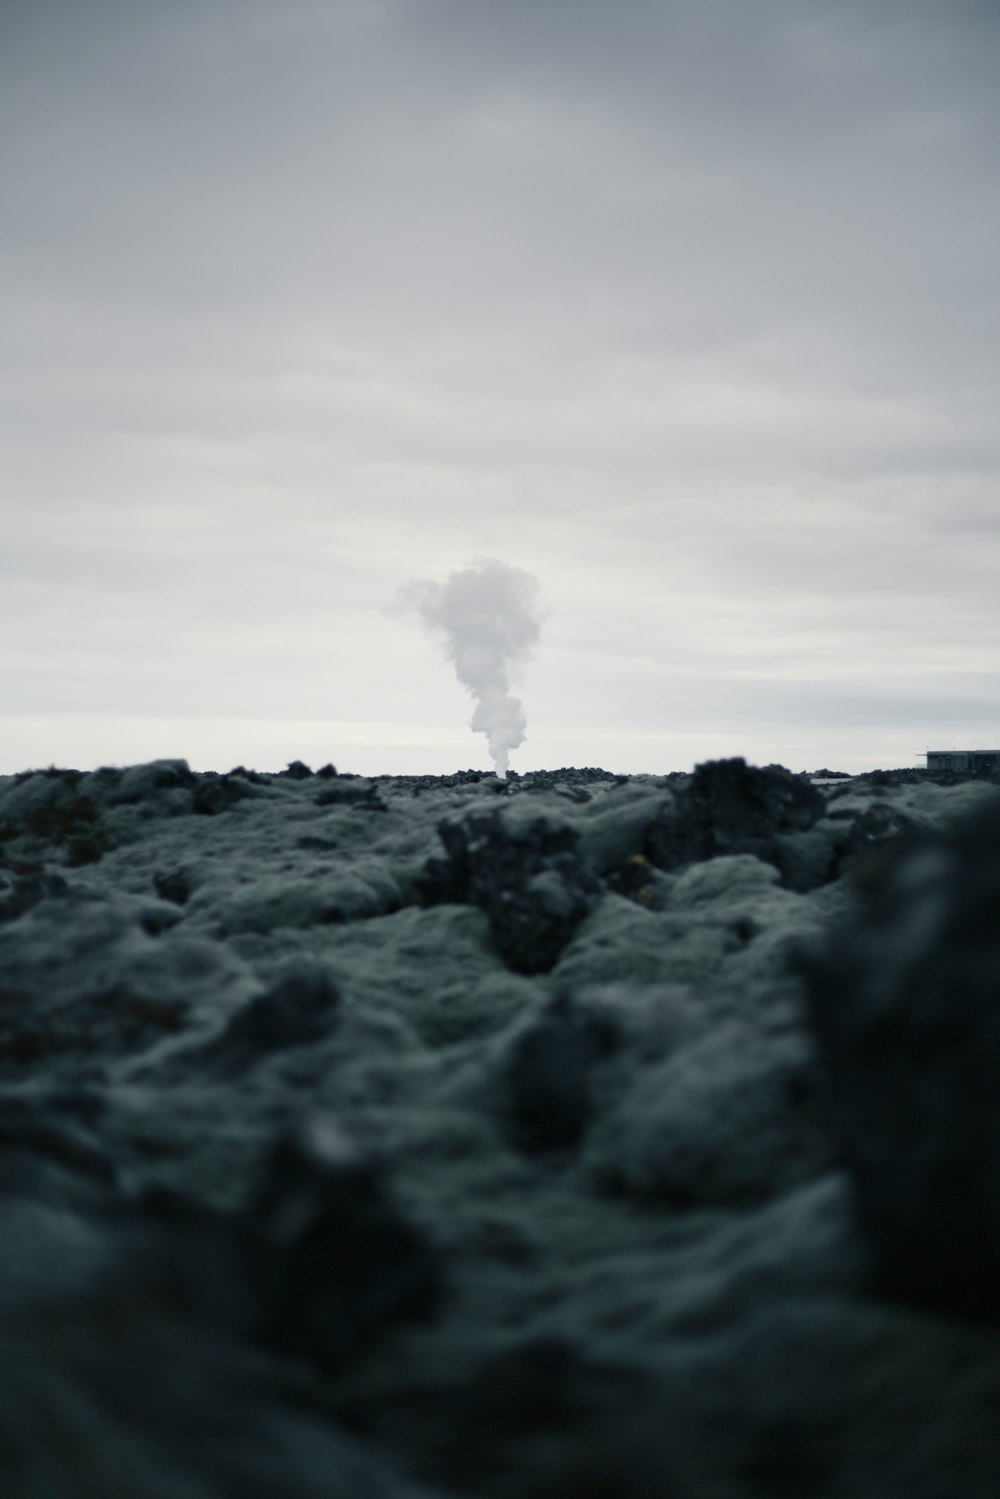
(49, 1155)
(905, 1005)
(546, 1077)
(28, 1130)
(613, 840)
(255, 777)
(126, 1371)
(525, 871)
(318, 1265)
(570, 774)
(48, 807)
(870, 829)
(540, 1419)
(633, 878)
(296, 770)
(142, 782)
(191, 1258)
(174, 885)
(25, 891)
(729, 807)
(919, 775)
(215, 794)
(337, 1262)
(297, 1007)
(85, 979)
(351, 791)
(906, 776)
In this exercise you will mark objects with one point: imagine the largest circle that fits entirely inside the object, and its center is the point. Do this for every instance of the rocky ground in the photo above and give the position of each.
(575, 1137)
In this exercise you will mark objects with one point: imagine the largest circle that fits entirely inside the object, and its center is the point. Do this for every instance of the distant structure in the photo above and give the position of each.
(963, 759)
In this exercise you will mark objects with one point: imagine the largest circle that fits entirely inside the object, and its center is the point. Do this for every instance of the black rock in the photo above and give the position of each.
(905, 1006)
(547, 1078)
(126, 1372)
(352, 791)
(255, 777)
(146, 782)
(297, 1007)
(632, 878)
(215, 794)
(27, 890)
(78, 982)
(729, 807)
(542, 1419)
(907, 776)
(338, 1263)
(525, 871)
(46, 1152)
(296, 770)
(47, 807)
(174, 885)
(879, 823)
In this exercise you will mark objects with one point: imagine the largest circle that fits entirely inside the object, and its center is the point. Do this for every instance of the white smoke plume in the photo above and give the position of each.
(487, 617)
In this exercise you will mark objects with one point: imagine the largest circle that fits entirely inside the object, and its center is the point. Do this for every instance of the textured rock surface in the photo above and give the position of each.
(907, 1013)
(574, 1136)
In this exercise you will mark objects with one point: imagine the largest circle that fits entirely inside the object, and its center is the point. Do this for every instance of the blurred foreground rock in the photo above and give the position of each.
(906, 1007)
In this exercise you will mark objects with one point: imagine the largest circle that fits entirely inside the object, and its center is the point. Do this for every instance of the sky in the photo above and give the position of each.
(689, 310)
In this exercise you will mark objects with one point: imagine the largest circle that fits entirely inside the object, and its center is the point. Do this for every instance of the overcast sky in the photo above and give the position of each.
(692, 310)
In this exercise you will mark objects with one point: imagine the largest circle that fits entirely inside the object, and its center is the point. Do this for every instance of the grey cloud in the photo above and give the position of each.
(688, 164)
